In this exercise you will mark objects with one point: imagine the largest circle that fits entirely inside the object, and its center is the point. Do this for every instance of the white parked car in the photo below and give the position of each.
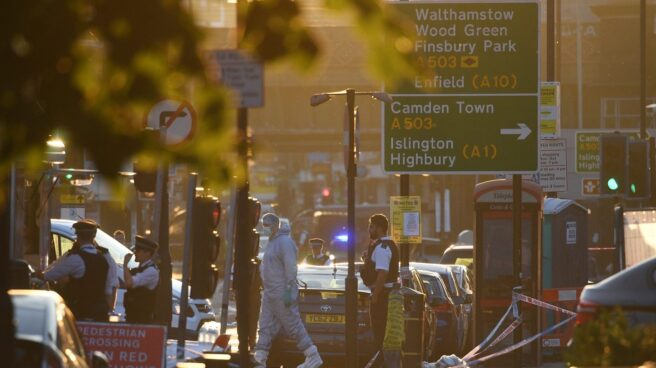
(46, 335)
(199, 311)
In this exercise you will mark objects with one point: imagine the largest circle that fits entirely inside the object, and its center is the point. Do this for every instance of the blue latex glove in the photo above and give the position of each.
(287, 297)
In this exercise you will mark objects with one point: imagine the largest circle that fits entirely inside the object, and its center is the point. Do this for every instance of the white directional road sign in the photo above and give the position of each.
(243, 75)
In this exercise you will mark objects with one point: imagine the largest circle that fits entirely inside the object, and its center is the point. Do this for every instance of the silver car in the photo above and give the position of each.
(633, 290)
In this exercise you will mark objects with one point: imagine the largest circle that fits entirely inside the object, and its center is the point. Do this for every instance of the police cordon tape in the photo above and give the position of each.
(472, 359)
(516, 297)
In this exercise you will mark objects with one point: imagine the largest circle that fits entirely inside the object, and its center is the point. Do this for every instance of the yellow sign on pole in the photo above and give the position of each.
(406, 219)
(550, 110)
(71, 199)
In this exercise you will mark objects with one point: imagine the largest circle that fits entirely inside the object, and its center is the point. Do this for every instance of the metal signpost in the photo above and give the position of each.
(479, 110)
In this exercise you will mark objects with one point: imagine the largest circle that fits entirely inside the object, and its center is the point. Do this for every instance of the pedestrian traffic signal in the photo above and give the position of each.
(613, 173)
(205, 245)
(639, 170)
(144, 180)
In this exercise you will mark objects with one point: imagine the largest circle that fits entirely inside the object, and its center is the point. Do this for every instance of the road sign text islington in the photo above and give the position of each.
(478, 111)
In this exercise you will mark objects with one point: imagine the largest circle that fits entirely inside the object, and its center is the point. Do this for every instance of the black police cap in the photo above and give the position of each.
(85, 225)
(144, 243)
(316, 242)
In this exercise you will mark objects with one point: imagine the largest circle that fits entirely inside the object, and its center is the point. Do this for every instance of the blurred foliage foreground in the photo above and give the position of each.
(609, 341)
(88, 72)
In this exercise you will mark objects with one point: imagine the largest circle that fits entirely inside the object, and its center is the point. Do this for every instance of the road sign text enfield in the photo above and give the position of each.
(478, 111)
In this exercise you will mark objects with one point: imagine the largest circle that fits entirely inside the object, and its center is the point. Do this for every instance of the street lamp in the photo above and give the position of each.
(351, 282)
(651, 108)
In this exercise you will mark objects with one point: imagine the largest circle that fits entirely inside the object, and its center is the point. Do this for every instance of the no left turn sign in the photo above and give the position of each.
(178, 117)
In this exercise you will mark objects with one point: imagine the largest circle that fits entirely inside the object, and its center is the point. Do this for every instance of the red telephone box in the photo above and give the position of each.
(493, 254)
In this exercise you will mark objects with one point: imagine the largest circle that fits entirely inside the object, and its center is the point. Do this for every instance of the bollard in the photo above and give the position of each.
(413, 348)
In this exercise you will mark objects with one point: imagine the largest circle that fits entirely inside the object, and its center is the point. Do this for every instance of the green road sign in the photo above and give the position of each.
(479, 110)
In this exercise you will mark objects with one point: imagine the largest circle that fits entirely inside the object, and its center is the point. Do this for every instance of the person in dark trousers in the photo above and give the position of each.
(318, 256)
(141, 282)
(380, 272)
(84, 271)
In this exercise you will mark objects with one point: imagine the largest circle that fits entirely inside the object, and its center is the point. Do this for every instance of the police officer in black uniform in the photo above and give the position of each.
(84, 271)
(380, 272)
(141, 282)
(318, 257)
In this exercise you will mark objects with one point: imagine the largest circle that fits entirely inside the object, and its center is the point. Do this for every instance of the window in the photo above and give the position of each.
(61, 245)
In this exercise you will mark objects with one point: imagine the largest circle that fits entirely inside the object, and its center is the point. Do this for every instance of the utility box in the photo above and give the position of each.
(564, 269)
(564, 244)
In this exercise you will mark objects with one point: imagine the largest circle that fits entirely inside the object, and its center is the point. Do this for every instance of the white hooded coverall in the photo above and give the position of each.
(278, 271)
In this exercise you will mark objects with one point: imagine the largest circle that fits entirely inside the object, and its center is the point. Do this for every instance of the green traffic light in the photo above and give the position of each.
(633, 188)
(612, 184)
(69, 176)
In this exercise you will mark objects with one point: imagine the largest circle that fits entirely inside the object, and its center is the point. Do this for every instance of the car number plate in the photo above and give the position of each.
(324, 318)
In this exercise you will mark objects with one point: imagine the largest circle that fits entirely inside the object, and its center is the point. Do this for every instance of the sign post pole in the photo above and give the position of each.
(186, 259)
(517, 255)
(351, 281)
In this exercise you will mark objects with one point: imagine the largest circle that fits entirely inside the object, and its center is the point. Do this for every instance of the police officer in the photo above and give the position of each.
(141, 282)
(318, 257)
(85, 273)
(379, 272)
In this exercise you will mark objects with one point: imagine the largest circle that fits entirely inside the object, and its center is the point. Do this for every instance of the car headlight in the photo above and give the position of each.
(204, 308)
(176, 308)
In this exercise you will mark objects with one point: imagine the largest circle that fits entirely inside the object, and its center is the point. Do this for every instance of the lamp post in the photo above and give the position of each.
(351, 282)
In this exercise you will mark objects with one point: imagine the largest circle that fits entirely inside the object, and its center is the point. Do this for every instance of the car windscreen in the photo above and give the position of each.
(435, 287)
(458, 256)
(116, 249)
(326, 281)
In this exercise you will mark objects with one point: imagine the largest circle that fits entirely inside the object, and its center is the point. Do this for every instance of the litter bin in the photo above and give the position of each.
(413, 313)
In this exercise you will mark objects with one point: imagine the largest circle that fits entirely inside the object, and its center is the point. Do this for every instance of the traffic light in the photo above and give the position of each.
(205, 219)
(74, 158)
(613, 173)
(639, 170)
(75, 178)
(326, 196)
(144, 180)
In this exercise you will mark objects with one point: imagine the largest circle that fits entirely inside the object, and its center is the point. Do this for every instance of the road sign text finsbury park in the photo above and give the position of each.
(478, 111)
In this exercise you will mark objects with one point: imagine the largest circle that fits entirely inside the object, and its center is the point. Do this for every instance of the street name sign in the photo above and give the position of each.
(479, 110)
